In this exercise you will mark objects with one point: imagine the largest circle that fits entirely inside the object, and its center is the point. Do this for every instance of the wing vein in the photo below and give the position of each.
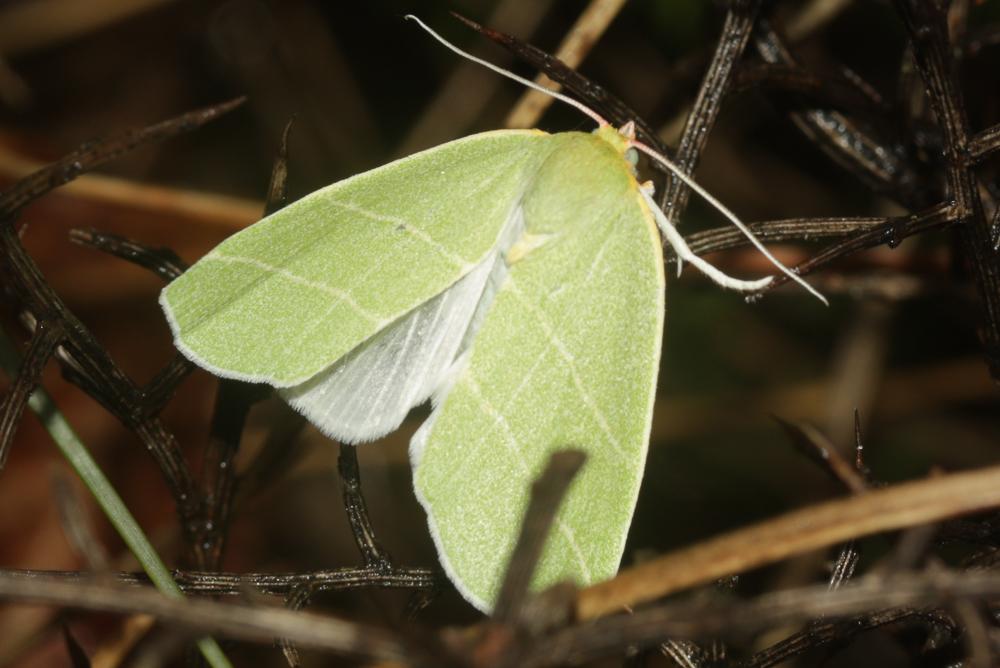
(487, 407)
(404, 226)
(342, 296)
(570, 361)
(598, 257)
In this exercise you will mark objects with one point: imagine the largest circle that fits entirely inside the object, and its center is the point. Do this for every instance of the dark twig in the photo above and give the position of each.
(684, 653)
(296, 600)
(218, 476)
(213, 583)
(818, 449)
(373, 555)
(93, 154)
(926, 23)
(859, 447)
(43, 343)
(892, 233)
(77, 655)
(844, 565)
(792, 229)
(279, 452)
(849, 556)
(984, 144)
(547, 493)
(884, 166)
(420, 599)
(995, 230)
(165, 264)
(104, 379)
(911, 549)
(718, 78)
(256, 624)
(825, 633)
(162, 386)
(277, 189)
(161, 261)
(812, 90)
(814, 445)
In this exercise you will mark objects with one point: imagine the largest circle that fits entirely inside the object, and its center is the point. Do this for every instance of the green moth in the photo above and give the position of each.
(513, 278)
(530, 312)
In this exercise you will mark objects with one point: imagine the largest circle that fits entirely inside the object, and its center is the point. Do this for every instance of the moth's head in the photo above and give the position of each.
(621, 139)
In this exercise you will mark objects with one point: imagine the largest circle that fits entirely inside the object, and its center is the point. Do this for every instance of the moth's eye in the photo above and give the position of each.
(632, 156)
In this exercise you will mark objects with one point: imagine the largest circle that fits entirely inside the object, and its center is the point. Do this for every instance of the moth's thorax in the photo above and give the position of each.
(584, 174)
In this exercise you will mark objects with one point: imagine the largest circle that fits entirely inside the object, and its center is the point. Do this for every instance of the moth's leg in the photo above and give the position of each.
(647, 194)
(684, 253)
(648, 190)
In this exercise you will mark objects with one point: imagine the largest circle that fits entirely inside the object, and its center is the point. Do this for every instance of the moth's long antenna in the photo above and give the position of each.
(510, 75)
(691, 183)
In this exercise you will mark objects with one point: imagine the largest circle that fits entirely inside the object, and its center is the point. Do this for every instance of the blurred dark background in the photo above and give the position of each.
(898, 341)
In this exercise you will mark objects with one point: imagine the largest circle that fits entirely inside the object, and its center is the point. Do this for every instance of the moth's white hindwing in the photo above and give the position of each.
(367, 393)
